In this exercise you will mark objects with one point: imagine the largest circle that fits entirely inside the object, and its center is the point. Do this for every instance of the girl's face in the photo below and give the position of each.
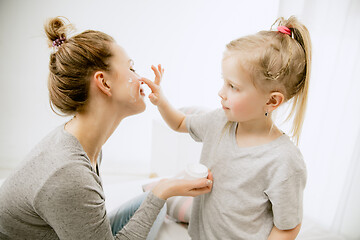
(240, 99)
(126, 87)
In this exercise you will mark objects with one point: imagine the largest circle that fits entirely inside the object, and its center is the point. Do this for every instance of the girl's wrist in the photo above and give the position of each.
(162, 103)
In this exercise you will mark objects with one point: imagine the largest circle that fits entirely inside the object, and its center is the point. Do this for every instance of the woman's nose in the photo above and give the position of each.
(138, 79)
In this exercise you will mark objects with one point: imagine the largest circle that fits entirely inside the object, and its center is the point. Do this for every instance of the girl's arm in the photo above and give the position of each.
(174, 118)
(277, 234)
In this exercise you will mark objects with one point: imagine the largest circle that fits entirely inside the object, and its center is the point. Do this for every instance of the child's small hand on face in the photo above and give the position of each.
(156, 96)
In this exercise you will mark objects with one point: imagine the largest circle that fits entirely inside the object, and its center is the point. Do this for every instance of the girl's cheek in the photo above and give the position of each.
(242, 106)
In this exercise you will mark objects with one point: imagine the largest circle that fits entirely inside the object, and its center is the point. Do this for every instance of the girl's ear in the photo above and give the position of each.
(275, 100)
(101, 83)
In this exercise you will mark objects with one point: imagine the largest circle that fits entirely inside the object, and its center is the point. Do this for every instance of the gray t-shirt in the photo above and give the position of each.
(254, 188)
(56, 194)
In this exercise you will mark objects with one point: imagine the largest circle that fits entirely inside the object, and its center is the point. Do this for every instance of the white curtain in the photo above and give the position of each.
(331, 135)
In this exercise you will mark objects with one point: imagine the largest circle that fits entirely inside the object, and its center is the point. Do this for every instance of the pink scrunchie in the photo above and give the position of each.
(284, 30)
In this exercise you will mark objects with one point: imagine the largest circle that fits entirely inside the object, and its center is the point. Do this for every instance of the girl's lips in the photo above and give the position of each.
(225, 108)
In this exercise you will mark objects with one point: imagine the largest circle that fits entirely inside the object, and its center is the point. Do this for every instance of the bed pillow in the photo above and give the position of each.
(178, 207)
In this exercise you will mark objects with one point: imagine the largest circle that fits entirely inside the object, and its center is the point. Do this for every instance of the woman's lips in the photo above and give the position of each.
(142, 93)
(141, 90)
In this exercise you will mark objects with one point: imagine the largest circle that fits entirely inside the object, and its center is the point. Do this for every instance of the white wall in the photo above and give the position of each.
(188, 37)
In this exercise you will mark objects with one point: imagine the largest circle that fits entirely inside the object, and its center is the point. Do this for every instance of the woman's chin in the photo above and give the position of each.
(141, 106)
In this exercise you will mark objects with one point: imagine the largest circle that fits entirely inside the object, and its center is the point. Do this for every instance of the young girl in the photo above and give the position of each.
(259, 174)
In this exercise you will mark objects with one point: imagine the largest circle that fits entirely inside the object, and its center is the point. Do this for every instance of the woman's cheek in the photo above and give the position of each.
(133, 88)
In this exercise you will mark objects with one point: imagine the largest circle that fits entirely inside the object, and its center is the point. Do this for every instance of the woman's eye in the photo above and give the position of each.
(133, 70)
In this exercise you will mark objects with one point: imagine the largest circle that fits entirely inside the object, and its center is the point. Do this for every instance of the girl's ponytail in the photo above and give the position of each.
(299, 100)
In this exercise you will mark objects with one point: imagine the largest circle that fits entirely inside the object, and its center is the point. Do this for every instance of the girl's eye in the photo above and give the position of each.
(133, 70)
(231, 86)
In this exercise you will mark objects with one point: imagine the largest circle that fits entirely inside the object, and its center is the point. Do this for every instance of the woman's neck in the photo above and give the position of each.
(92, 130)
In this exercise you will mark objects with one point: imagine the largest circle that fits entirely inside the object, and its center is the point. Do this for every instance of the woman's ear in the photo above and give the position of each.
(101, 83)
(275, 100)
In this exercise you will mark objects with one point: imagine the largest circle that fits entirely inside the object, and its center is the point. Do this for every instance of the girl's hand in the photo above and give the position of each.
(180, 187)
(156, 96)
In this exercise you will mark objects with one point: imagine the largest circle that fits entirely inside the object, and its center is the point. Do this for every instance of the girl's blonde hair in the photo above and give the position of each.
(280, 62)
(73, 61)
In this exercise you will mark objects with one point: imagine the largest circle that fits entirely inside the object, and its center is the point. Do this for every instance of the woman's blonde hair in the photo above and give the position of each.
(72, 62)
(279, 62)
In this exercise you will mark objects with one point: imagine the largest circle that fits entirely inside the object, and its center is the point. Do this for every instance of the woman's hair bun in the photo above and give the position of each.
(56, 28)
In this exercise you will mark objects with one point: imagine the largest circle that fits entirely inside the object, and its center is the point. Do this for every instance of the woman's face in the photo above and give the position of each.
(126, 88)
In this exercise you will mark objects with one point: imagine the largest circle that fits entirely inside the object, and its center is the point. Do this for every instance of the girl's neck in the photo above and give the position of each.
(255, 133)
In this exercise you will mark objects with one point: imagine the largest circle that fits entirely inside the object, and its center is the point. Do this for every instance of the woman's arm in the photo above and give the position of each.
(174, 118)
(277, 234)
(72, 202)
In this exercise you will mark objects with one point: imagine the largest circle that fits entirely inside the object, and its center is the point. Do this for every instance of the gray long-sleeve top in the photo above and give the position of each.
(56, 194)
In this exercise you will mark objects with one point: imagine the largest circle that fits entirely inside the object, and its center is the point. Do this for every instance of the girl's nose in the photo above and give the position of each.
(221, 94)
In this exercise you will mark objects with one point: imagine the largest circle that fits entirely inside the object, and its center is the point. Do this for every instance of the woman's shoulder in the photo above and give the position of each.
(58, 154)
(53, 165)
(57, 144)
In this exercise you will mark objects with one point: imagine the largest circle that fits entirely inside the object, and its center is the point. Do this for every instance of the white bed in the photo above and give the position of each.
(171, 230)
(166, 161)
(118, 190)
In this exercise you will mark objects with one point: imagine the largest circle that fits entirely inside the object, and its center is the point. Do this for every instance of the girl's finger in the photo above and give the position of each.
(152, 98)
(150, 83)
(156, 71)
(157, 75)
(161, 70)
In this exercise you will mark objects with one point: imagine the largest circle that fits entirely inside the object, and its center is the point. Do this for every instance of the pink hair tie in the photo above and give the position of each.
(284, 30)
(58, 42)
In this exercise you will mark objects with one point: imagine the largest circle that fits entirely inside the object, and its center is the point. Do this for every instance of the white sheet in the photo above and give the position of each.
(119, 191)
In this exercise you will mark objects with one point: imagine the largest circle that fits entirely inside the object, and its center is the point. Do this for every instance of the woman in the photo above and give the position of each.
(57, 193)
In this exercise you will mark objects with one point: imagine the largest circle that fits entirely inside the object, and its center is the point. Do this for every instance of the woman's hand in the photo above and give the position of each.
(156, 96)
(180, 187)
